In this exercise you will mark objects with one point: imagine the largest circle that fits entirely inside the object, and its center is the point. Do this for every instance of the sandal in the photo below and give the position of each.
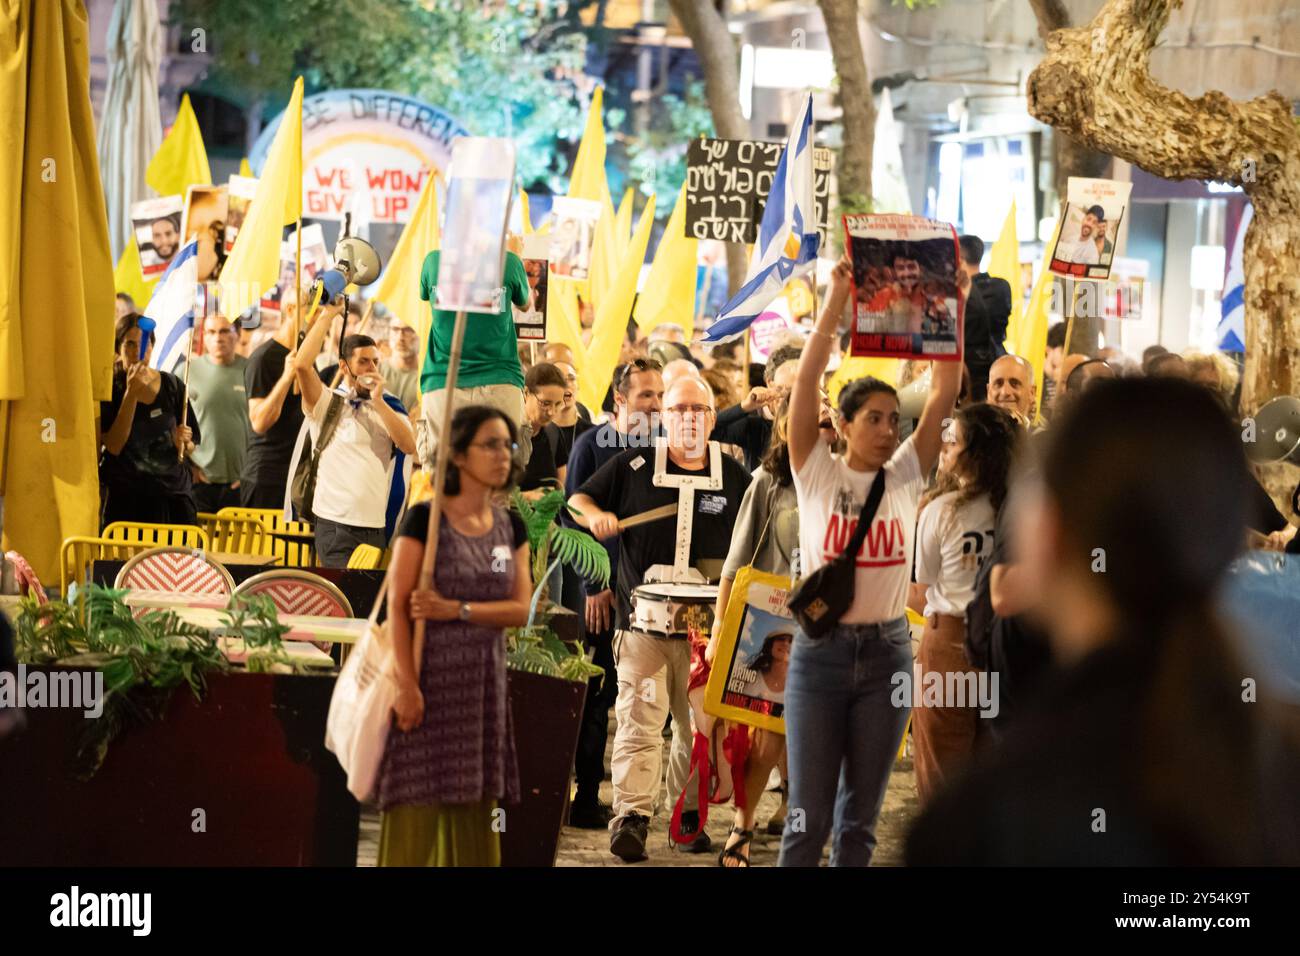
(733, 852)
(776, 826)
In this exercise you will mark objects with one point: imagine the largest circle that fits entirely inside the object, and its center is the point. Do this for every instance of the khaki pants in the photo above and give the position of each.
(508, 398)
(652, 677)
(944, 737)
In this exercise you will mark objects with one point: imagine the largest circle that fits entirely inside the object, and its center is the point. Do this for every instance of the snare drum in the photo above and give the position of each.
(670, 610)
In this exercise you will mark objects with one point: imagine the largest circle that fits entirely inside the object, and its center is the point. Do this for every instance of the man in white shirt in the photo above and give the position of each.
(353, 477)
(1084, 250)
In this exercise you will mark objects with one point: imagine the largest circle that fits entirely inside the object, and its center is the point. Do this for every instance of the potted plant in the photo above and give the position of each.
(241, 756)
(548, 686)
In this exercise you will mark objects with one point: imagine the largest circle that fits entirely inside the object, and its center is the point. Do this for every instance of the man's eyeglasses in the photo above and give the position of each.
(691, 409)
(496, 446)
(636, 365)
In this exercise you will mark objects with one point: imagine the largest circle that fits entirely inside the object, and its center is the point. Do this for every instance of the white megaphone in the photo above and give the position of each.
(1277, 432)
(355, 261)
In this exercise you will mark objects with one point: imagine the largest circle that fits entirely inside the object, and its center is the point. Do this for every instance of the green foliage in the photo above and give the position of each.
(143, 659)
(538, 650)
(657, 158)
(546, 539)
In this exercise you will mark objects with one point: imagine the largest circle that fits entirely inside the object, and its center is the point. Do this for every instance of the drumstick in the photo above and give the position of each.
(645, 517)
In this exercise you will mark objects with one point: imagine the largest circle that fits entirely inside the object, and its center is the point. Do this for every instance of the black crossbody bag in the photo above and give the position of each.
(819, 600)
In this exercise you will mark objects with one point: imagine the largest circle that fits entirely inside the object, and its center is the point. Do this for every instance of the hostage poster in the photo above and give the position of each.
(1089, 237)
(906, 303)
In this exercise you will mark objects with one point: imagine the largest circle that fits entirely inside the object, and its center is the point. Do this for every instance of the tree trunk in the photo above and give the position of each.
(706, 26)
(853, 172)
(1095, 85)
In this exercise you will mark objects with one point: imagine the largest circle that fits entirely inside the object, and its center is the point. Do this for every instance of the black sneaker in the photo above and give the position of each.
(628, 840)
(691, 824)
(589, 814)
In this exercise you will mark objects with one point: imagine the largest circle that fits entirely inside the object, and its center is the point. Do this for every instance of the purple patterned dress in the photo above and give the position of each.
(464, 750)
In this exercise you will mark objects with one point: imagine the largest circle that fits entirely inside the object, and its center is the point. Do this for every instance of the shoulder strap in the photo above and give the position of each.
(868, 515)
(327, 427)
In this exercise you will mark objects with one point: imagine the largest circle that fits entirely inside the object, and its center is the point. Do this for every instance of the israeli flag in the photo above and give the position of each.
(787, 236)
(172, 308)
(1232, 327)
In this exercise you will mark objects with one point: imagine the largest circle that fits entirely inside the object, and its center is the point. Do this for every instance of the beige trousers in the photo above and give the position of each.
(508, 398)
(652, 677)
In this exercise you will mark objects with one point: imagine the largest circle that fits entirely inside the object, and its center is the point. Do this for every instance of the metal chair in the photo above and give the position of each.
(157, 535)
(78, 552)
(366, 557)
(234, 535)
(290, 552)
(176, 569)
(298, 592)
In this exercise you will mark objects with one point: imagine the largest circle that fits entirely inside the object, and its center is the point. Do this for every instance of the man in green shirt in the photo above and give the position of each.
(489, 372)
(220, 403)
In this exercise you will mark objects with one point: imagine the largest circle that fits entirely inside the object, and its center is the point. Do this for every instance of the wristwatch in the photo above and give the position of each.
(464, 611)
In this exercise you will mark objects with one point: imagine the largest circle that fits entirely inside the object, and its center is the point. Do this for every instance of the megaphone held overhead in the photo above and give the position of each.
(1277, 432)
(355, 262)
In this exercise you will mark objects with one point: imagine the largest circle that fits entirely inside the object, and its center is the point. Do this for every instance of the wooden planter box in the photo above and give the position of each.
(251, 756)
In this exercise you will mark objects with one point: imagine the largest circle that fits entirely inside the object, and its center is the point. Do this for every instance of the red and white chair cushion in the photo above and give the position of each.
(300, 597)
(176, 571)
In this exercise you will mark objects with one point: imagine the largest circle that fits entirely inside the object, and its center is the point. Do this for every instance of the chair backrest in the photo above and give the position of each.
(175, 569)
(298, 592)
(272, 519)
(79, 551)
(158, 535)
(233, 535)
(366, 557)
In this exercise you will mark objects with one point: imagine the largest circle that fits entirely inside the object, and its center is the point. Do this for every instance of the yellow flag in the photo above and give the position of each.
(524, 216)
(56, 284)
(127, 277)
(610, 328)
(563, 320)
(399, 287)
(1004, 263)
(1031, 344)
(254, 262)
(587, 181)
(181, 160)
(245, 169)
(623, 223)
(669, 296)
(855, 367)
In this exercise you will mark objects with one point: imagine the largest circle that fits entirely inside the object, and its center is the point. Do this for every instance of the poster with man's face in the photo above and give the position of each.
(1087, 243)
(530, 321)
(906, 302)
(573, 230)
(157, 225)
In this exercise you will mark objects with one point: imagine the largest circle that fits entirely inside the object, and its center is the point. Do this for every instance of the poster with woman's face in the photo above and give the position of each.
(747, 683)
(157, 225)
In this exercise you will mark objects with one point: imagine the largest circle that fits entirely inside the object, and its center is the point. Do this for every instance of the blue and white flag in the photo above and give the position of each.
(172, 308)
(787, 235)
(1232, 327)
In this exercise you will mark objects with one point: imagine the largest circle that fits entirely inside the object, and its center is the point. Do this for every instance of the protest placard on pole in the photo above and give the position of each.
(530, 322)
(906, 302)
(157, 226)
(573, 233)
(240, 191)
(1090, 237)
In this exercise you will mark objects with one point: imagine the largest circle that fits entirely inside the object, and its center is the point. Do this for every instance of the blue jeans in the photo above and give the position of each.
(842, 735)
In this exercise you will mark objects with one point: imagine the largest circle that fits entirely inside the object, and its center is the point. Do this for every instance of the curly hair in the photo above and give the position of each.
(992, 438)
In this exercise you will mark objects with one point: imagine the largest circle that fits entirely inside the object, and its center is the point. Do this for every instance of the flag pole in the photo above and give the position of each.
(439, 475)
(185, 405)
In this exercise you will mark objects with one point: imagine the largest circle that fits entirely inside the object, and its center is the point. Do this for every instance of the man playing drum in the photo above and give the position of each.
(653, 669)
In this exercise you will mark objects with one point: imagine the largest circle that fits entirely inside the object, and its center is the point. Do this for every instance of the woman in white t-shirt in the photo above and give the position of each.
(843, 718)
(953, 536)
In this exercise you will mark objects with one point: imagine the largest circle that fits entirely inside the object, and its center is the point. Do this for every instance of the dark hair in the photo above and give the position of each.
(465, 424)
(1075, 379)
(855, 394)
(756, 375)
(776, 459)
(543, 374)
(763, 660)
(1151, 351)
(786, 353)
(351, 343)
(1056, 336)
(173, 217)
(992, 437)
(1164, 494)
(623, 377)
(126, 297)
(1096, 211)
(122, 327)
(726, 350)
(972, 249)
(1151, 365)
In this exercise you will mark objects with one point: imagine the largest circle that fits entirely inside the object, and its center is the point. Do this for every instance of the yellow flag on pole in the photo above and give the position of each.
(254, 262)
(245, 169)
(588, 181)
(524, 215)
(399, 286)
(181, 160)
(669, 296)
(1004, 263)
(127, 277)
(1031, 343)
(56, 285)
(623, 223)
(610, 328)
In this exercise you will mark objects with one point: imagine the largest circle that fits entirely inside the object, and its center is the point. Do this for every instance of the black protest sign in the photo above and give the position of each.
(727, 182)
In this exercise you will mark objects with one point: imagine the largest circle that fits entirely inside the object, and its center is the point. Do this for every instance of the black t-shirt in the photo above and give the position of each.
(543, 467)
(267, 458)
(148, 461)
(566, 436)
(624, 486)
(416, 524)
(988, 307)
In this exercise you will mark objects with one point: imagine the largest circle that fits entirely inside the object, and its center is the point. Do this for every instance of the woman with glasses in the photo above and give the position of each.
(842, 726)
(451, 756)
(572, 418)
